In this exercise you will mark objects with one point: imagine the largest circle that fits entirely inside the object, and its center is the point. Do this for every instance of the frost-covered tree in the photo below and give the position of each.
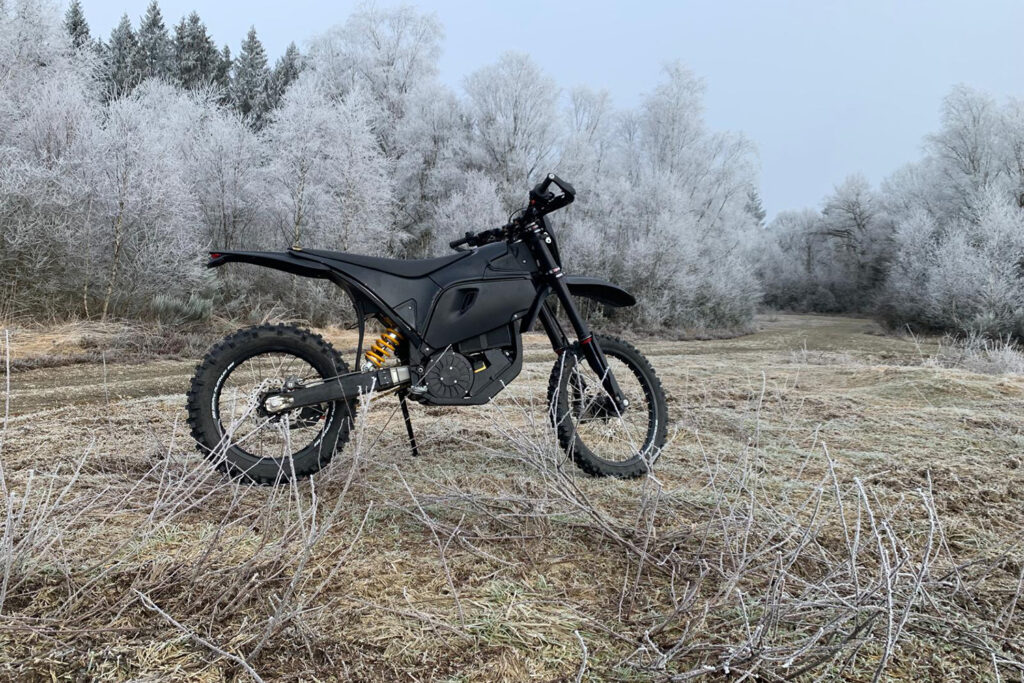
(124, 64)
(473, 207)
(47, 115)
(330, 184)
(666, 215)
(390, 55)
(755, 207)
(831, 261)
(196, 59)
(250, 83)
(959, 217)
(150, 243)
(588, 141)
(225, 171)
(155, 49)
(515, 121)
(965, 277)
(286, 70)
(76, 25)
(222, 76)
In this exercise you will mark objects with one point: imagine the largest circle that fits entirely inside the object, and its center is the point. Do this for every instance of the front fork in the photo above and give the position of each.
(591, 349)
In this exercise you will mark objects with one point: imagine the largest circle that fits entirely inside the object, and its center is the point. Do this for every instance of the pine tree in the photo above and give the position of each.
(755, 208)
(250, 87)
(123, 60)
(197, 62)
(76, 26)
(285, 72)
(223, 77)
(154, 44)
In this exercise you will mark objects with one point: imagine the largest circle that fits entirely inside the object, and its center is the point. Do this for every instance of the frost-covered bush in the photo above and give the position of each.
(959, 213)
(829, 261)
(964, 277)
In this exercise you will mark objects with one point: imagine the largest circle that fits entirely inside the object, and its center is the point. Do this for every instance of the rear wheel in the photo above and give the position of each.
(601, 439)
(230, 423)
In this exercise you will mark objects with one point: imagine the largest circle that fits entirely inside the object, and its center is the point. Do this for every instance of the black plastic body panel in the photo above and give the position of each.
(469, 295)
(472, 308)
(473, 300)
(408, 268)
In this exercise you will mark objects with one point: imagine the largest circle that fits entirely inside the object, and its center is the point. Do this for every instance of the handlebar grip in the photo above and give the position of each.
(541, 188)
(455, 244)
(565, 187)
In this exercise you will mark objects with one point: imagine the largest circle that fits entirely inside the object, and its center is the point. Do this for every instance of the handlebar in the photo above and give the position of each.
(541, 202)
(479, 239)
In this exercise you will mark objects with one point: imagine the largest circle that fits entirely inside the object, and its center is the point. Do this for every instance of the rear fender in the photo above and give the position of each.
(277, 260)
(297, 263)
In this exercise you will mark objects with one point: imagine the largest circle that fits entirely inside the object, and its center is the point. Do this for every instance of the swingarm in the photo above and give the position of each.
(346, 387)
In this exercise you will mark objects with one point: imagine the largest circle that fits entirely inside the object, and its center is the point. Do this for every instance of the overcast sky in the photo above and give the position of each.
(823, 88)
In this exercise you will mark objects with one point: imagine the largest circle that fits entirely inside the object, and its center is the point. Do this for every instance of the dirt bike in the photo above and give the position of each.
(275, 402)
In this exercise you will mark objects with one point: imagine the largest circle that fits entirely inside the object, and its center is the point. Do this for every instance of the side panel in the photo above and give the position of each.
(473, 308)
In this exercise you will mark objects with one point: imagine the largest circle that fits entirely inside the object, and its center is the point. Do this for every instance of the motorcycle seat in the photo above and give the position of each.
(409, 268)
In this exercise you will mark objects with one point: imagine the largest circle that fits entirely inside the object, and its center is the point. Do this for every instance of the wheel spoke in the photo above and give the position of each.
(249, 427)
(597, 422)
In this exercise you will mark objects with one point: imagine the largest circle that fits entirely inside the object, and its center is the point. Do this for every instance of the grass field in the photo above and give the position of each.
(833, 503)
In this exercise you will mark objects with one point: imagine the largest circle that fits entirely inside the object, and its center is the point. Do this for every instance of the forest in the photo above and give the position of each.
(123, 159)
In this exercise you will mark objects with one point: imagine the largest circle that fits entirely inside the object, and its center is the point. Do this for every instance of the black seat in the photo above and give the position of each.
(394, 266)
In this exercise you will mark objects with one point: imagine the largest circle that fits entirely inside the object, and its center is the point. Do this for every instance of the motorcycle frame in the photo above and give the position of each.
(550, 280)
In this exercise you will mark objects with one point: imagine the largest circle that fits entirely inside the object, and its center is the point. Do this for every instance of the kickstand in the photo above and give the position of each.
(408, 423)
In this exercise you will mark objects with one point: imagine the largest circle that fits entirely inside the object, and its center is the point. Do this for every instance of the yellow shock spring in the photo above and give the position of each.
(383, 347)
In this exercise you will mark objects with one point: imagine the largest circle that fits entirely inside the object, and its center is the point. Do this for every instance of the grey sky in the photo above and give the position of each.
(823, 88)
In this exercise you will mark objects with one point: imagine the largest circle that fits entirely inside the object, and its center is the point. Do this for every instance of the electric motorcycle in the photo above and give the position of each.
(275, 402)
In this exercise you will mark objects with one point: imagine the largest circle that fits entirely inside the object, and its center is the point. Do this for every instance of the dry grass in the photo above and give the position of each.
(79, 342)
(858, 517)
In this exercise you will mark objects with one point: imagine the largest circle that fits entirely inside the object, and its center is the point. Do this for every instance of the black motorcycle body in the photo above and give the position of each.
(452, 336)
(473, 305)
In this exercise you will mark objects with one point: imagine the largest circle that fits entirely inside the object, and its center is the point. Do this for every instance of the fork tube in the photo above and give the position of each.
(554, 329)
(555, 278)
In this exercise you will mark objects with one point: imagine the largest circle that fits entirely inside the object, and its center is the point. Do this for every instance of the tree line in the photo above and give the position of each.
(937, 247)
(189, 59)
(123, 162)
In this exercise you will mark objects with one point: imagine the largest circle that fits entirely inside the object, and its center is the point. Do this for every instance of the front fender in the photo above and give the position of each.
(599, 290)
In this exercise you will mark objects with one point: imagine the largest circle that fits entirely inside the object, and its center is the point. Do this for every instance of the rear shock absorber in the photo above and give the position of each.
(383, 347)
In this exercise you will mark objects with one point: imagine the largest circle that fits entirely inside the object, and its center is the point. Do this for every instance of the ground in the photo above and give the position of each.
(833, 502)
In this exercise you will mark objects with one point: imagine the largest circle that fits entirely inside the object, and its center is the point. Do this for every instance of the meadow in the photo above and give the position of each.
(834, 502)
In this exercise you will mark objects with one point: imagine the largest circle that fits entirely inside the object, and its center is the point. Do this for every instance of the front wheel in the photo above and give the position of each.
(601, 439)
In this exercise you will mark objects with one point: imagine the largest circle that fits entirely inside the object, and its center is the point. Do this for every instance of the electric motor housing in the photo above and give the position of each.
(450, 376)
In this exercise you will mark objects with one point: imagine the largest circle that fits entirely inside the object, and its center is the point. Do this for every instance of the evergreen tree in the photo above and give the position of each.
(154, 44)
(250, 87)
(197, 62)
(123, 60)
(285, 72)
(755, 208)
(223, 76)
(76, 26)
